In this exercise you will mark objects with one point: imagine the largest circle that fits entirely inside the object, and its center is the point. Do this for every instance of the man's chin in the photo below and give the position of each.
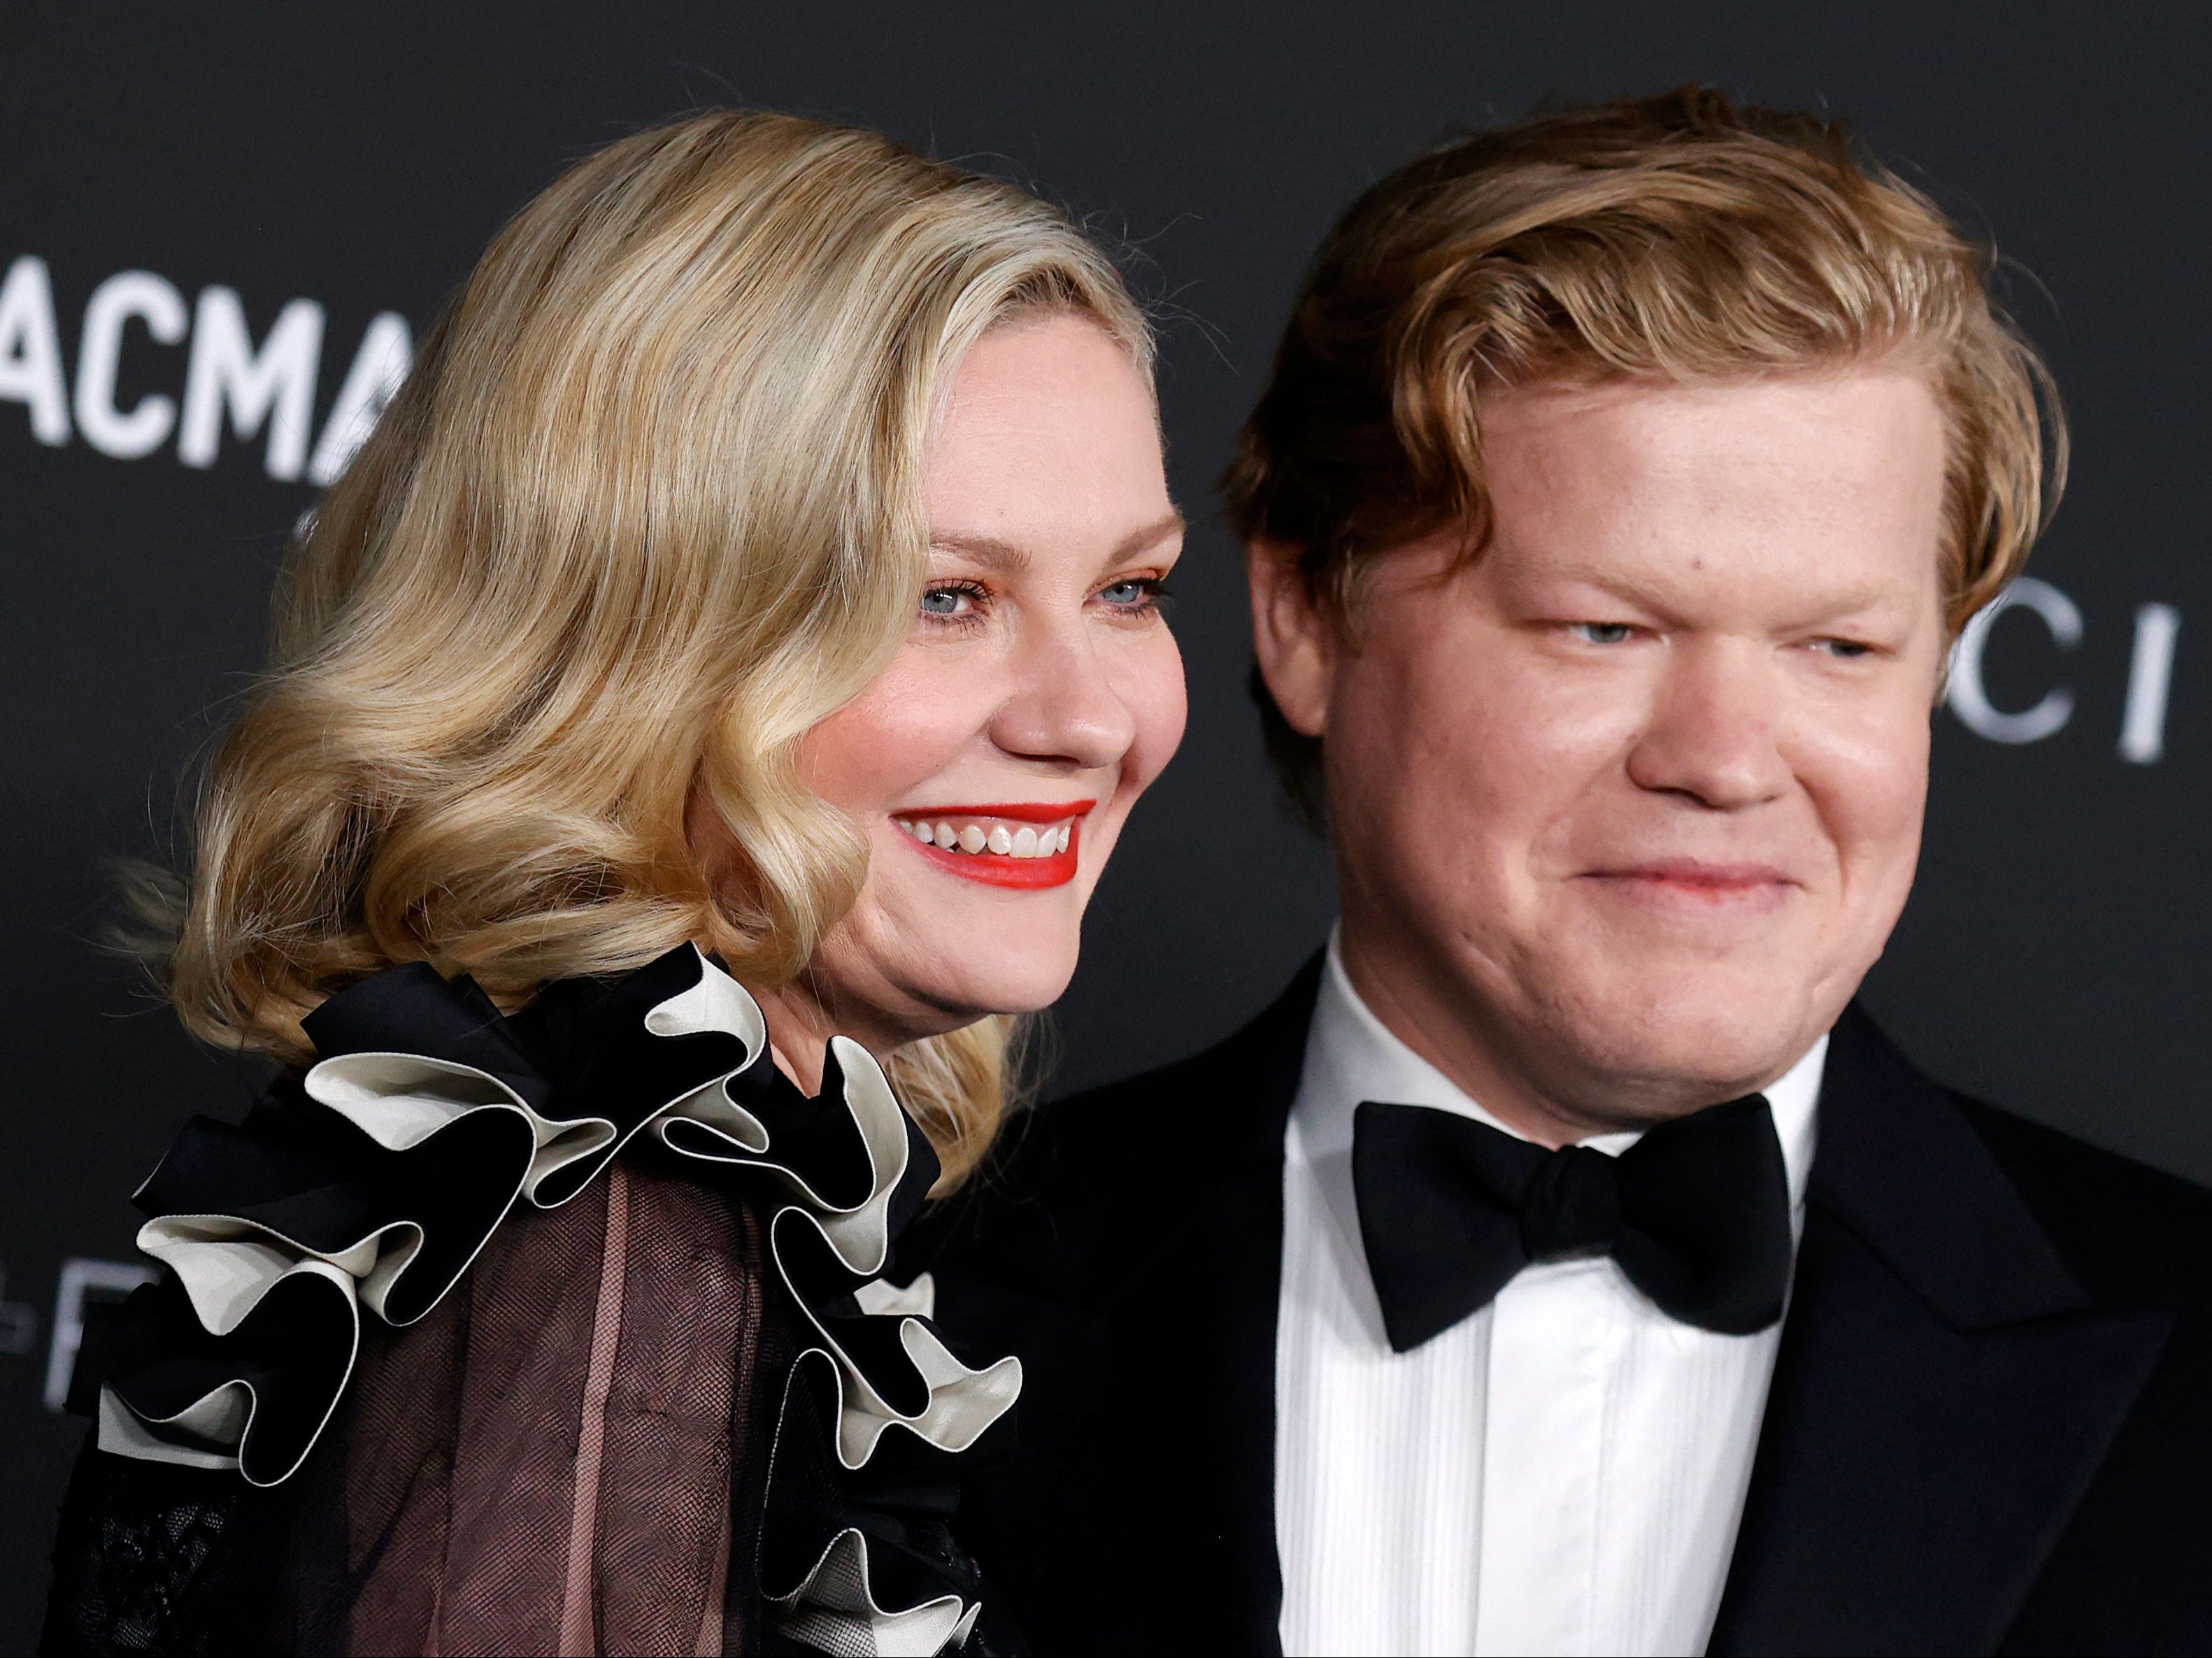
(1663, 1048)
(1690, 929)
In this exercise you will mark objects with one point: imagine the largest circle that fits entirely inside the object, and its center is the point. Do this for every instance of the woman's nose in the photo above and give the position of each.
(1062, 706)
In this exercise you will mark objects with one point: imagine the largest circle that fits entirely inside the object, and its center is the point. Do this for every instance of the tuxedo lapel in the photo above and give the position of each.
(1943, 1392)
(1227, 1314)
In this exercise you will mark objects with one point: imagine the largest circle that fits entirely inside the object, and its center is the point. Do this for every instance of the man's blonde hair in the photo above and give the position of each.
(647, 509)
(1667, 239)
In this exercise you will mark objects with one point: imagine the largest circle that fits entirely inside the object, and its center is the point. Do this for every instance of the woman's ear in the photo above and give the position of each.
(1296, 643)
(715, 853)
(704, 831)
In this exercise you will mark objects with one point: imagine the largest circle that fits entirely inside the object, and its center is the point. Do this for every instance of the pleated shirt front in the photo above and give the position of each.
(1562, 1472)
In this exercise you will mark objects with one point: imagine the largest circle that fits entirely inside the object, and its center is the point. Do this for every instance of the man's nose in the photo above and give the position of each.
(1062, 706)
(1712, 735)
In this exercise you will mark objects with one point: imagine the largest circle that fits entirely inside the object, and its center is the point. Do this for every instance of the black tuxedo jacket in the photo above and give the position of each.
(1990, 1428)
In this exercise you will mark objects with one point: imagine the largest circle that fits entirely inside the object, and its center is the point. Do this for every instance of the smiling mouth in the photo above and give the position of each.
(1005, 846)
(1692, 879)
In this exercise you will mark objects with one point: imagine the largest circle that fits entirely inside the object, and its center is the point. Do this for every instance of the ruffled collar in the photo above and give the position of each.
(372, 1182)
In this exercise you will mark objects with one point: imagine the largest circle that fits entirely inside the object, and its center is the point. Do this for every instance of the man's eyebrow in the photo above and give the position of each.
(1844, 601)
(995, 554)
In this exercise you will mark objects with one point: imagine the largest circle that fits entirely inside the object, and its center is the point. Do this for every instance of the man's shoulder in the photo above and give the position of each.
(2125, 1575)
(1157, 1126)
(1084, 1187)
(2129, 1232)
(1118, 1149)
(1924, 1165)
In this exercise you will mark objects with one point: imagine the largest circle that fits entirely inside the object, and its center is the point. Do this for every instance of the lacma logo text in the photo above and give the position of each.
(264, 390)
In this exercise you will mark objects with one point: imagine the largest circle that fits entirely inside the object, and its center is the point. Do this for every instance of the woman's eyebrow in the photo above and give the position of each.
(995, 554)
(986, 550)
(1151, 534)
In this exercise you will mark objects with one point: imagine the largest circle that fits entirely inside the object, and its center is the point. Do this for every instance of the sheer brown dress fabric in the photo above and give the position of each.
(446, 1423)
(545, 1463)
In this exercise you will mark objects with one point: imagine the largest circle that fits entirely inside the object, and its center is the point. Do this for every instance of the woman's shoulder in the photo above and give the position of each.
(363, 1192)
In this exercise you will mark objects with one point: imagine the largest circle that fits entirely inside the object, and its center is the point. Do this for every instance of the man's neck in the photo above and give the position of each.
(1448, 1026)
(1442, 1037)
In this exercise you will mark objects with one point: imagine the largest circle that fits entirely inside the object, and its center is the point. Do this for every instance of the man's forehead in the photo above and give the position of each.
(1837, 469)
(1560, 421)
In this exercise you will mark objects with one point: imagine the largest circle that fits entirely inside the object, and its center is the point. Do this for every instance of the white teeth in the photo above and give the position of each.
(973, 838)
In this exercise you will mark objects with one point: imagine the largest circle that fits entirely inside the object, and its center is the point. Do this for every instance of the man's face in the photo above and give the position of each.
(1625, 810)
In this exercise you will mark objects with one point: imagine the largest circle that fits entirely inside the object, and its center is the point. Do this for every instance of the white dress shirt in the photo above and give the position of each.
(1562, 1472)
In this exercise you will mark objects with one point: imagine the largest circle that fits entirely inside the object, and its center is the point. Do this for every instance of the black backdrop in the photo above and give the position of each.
(358, 158)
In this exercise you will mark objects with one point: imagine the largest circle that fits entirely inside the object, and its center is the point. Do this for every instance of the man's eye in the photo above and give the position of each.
(1603, 633)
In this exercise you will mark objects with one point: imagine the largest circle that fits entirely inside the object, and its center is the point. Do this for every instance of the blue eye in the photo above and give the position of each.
(1603, 633)
(952, 601)
(1137, 593)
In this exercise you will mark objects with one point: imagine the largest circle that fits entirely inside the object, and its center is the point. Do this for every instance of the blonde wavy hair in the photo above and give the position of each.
(648, 509)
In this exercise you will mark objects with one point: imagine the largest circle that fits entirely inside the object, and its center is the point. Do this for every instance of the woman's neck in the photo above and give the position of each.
(800, 1029)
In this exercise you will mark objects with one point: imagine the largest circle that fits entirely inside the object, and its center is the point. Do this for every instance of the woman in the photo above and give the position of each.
(699, 718)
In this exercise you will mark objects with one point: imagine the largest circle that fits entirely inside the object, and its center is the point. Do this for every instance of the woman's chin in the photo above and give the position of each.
(995, 981)
(961, 955)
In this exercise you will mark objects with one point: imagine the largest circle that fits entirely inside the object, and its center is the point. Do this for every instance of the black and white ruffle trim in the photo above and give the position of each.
(373, 1181)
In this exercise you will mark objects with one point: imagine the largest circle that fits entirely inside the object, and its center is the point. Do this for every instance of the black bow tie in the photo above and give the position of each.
(1696, 1214)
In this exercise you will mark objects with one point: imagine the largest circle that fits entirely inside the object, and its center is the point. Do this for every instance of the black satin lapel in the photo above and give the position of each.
(1234, 1286)
(1944, 1391)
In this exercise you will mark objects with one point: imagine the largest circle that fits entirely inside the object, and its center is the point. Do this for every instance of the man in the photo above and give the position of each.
(1565, 1264)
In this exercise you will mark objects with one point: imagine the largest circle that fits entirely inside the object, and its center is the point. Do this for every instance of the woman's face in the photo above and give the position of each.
(1038, 694)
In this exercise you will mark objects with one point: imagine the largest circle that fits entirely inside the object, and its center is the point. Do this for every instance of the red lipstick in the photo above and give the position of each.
(985, 851)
